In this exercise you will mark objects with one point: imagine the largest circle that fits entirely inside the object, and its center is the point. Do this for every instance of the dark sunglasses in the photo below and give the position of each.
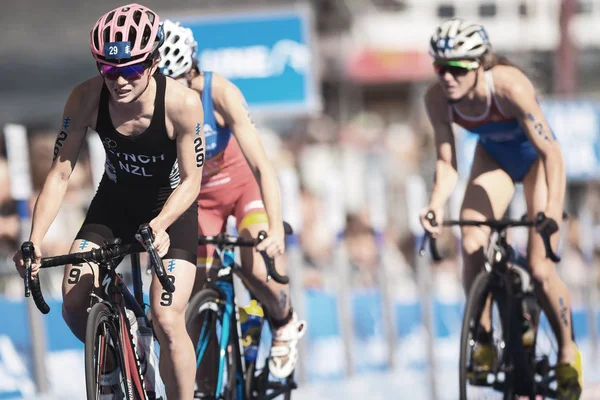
(455, 68)
(129, 72)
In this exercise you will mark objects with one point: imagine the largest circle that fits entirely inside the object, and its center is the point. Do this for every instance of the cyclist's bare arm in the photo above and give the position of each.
(446, 174)
(518, 97)
(185, 118)
(79, 113)
(230, 103)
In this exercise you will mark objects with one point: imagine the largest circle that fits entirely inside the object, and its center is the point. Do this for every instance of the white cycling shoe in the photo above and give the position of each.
(284, 352)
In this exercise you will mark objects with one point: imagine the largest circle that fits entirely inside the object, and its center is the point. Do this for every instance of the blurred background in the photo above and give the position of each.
(336, 88)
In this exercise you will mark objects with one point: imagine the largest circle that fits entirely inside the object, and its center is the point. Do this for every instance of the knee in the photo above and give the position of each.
(253, 262)
(472, 240)
(74, 313)
(542, 270)
(74, 306)
(169, 322)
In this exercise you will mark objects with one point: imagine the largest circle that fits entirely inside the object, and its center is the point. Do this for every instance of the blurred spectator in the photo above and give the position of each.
(315, 238)
(9, 222)
(363, 254)
(577, 274)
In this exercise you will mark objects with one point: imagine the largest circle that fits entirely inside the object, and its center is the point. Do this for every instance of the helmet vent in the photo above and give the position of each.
(106, 35)
(121, 20)
(146, 36)
(109, 17)
(137, 16)
(95, 38)
(151, 16)
(132, 35)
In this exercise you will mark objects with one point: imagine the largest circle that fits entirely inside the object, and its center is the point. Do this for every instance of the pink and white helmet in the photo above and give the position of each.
(126, 35)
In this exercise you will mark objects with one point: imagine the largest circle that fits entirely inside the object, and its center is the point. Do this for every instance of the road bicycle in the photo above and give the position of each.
(120, 342)
(214, 310)
(525, 361)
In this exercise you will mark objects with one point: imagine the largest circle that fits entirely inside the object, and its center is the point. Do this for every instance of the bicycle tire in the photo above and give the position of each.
(539, 362)
(478, 293)
(207, 302)
(100, 320)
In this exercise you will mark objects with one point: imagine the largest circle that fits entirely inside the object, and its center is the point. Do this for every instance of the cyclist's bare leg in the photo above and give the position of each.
(487, 196)
(177, 360)
(552, 292)
(78, 281)
(274, 296)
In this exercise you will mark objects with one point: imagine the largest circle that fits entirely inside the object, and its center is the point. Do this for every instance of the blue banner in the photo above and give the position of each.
(576, 124)
(268, 55)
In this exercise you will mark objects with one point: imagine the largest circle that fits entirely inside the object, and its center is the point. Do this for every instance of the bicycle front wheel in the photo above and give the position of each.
(204, 322)
(104, 366)
(475, 381)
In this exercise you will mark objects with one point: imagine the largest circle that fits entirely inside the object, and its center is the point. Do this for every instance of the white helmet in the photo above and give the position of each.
(457, 38)
(178, 50)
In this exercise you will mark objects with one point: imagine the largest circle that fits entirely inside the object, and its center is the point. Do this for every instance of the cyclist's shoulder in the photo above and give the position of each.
(85, 97)
(89, 89)
(434, 95)
(510, 81)
(180, 99)
(436, 103)
(226, 95)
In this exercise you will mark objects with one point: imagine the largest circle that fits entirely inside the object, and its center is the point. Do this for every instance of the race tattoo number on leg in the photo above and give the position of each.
(166, 298)
(75, 274)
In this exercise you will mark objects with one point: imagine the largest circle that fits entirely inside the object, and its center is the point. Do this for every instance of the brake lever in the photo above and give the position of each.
(428, 236)
(546, 227)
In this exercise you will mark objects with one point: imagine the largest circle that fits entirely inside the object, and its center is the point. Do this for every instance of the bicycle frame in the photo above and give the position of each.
(508, 287)
(224, 286)
(224, 246)
(119, 298)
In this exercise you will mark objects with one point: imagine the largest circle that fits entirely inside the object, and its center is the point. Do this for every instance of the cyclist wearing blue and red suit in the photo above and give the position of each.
(238, 180)
(488, 96)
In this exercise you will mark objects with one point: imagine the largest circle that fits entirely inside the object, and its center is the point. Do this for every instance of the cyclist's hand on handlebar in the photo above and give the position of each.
(162, 241)
(20, 264)
(274, 244)
(546, 224)
(427, 224)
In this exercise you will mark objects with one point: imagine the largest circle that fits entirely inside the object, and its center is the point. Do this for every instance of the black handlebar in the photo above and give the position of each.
(32, 286)
(103, 254)
(270, 263)
(430, 216)
(148, 238)
(223, 239)
(543, 225)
